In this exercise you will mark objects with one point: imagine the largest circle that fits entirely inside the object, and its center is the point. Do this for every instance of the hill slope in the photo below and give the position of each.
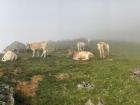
(112, 79)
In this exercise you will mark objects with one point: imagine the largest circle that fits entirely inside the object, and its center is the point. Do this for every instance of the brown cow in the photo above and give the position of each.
(36, 46)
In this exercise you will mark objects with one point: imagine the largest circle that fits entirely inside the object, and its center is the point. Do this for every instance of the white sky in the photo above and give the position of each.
(37, 20)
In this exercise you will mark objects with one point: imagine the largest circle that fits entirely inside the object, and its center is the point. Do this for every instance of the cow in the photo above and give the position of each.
(80, 55)
(9, 56)
(103, 49)
(81, 46)
(36, 46)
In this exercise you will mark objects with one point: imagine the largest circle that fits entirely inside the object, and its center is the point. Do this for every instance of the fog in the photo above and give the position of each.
(37, 20)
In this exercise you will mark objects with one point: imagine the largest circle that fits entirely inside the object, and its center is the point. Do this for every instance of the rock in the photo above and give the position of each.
(16, 46)
(89, 102)
(62, 76)
(6, 95)
(100, 101)
(137, 72)
(86, 85)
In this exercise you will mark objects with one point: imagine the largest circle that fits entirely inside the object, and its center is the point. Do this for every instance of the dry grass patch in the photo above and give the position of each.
(1, 72)
(62, 76)
(28, 88)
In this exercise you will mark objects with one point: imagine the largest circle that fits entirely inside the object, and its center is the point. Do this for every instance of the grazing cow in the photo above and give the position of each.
(80, 55)
(36, 46)
(81, 46)
(103, 49)
(9, 56)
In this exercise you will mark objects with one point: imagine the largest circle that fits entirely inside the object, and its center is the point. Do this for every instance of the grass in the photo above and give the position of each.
(111, 79)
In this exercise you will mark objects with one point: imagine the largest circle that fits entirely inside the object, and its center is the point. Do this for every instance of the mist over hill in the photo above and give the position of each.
(39, 20)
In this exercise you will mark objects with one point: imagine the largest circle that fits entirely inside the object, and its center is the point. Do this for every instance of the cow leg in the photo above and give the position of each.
(33, 53)
(81, 49)
(87, 57)
(107, 50)
(38, 53)
(100, 52)
(84, 49)
(78, 48)
(44, 53)
(103, 53)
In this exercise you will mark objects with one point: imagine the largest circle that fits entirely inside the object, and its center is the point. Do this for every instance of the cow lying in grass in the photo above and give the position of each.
(80, 55)
(9, 56)
(36, 46)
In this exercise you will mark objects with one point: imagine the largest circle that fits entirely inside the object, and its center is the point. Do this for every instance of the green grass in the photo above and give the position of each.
(112, 79)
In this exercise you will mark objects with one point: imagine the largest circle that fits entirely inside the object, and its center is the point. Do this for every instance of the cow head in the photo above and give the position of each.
(27, 46)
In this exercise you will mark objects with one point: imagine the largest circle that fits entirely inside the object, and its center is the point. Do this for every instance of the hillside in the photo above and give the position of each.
(112, 80)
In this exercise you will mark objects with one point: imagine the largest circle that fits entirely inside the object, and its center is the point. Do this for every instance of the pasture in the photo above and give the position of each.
(112, 79)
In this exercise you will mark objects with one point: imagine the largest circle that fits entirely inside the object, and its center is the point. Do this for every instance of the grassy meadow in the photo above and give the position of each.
(112, 79)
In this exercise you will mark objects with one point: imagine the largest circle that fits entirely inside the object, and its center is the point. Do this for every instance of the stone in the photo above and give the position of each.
(86, 85)
(89, 102)
(6, 95)
(100, 101)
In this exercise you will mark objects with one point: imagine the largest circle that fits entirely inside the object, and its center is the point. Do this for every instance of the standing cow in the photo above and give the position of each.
(81, 46)
(9, 56)
(103, 49)
(36, 46)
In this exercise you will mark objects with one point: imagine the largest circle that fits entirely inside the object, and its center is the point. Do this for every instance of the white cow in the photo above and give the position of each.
(81, 46)
(9, 56)
(36, 46)
(103, 49)
(80, 55)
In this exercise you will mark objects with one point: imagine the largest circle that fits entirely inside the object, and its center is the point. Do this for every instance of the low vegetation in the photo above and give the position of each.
(111, 77)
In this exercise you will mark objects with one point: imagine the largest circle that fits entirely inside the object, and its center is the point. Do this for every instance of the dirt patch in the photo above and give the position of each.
(28, 88)
(61, 76)
(1, 73)
(109, 60)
